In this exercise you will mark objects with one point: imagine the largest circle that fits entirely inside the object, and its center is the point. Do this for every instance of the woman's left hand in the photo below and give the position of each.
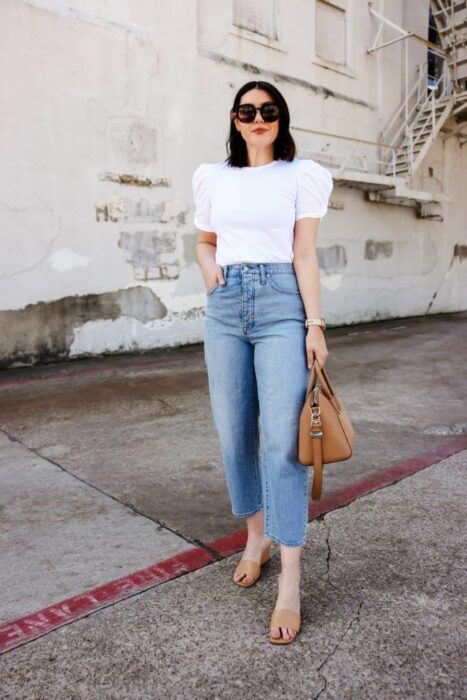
(316, 346)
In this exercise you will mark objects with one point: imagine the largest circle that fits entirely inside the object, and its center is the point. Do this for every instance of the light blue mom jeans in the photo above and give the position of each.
(255, 354)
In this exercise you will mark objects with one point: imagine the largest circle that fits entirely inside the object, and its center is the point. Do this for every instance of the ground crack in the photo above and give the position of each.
(355, 618)
(327, 575)
(161, 523)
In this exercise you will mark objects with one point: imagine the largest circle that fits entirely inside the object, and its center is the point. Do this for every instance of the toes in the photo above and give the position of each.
(286, 632)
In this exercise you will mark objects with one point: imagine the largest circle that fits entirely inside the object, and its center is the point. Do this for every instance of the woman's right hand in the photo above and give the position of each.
(212, 274)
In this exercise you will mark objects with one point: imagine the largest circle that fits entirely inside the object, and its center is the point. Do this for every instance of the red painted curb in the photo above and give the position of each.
(226, 546)
(25, 629)
(387, 476)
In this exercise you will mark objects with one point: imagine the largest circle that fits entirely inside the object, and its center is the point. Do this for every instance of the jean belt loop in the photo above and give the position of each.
(225, 271)
(262, 274)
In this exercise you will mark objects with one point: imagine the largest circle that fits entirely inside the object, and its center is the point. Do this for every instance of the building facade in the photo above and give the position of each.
(109, 107)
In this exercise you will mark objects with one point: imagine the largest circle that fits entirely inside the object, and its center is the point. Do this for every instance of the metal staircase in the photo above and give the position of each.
(436, 103)
(420, 121)
(424, 112)
(450, 17)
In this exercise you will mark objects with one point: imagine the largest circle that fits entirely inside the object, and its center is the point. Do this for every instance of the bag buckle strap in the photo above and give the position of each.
(315, 414)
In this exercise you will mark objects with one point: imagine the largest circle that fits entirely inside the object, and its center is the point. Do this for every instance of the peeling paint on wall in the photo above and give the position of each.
(67, 259)
(126, 179)
(44, 332)
(111, 211)
(142, 211)
(152, 254)
(331, 282)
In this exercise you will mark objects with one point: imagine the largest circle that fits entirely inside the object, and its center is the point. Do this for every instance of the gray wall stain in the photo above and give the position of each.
(147, 248)
(332, 259)
(43, 332)
(378, 249)
(189, 247)
(460, 251)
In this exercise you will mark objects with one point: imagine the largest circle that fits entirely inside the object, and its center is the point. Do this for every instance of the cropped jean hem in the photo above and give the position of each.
(285, 543)
(247, 515)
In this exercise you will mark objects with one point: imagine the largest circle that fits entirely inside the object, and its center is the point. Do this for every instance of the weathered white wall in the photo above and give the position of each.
(107, 108)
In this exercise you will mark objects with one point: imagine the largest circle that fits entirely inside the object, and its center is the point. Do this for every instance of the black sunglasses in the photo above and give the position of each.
(246, 113)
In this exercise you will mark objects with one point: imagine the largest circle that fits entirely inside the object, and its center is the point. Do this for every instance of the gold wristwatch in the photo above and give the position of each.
(316, 322)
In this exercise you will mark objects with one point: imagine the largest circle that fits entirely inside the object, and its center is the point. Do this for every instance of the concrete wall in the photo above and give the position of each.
(108, 108)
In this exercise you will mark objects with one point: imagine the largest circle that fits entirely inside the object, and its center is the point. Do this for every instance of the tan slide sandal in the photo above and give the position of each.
(282, 617)
(252, 568)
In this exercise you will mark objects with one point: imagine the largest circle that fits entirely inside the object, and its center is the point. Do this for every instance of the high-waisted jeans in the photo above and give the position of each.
(255, 354)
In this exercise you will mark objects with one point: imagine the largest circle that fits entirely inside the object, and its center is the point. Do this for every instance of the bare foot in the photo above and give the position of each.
(253, 551)
(289, 597)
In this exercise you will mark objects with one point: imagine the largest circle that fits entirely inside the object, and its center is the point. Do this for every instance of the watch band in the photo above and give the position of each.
(315, 322)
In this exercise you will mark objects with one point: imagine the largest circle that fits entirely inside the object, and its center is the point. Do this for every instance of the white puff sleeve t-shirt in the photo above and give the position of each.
(252, 210)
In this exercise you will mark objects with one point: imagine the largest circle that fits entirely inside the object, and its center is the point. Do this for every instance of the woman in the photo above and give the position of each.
(257, 215)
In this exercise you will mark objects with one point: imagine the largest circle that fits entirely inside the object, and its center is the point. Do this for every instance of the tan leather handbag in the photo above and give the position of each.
(325, 431)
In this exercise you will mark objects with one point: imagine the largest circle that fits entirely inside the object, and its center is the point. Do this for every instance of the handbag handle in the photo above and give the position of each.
(325, 382)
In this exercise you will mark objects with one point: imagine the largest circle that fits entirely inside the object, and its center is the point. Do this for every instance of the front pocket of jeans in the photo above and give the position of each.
(285, 283)
(213, 289)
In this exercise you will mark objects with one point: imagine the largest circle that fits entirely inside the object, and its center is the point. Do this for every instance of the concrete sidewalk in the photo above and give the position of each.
(109, 465)
(112, 484)
(383, 606)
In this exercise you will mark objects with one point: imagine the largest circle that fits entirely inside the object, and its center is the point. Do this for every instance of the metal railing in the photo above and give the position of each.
(417, 118)
(338, 161)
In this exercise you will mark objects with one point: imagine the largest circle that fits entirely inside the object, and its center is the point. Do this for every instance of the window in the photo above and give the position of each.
(258, 17)
(331, 31)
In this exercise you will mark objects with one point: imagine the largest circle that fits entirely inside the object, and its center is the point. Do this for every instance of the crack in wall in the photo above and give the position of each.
(457, 253)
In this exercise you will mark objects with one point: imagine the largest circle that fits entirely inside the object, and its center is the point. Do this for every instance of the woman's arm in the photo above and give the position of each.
(306, 268)
(205, 255)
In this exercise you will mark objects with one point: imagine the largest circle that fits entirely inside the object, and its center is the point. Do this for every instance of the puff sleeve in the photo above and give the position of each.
(201, 197)
(314, 186)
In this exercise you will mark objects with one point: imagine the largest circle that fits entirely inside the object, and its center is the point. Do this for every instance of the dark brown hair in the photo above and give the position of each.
(284, 145)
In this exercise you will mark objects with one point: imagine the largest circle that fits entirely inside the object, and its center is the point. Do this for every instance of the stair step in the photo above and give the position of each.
(426, 111)
(457, 8)
(405, 150)
(448, 28)
(459, 62)
(399, 166)
(400, 161)
(456, 45)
